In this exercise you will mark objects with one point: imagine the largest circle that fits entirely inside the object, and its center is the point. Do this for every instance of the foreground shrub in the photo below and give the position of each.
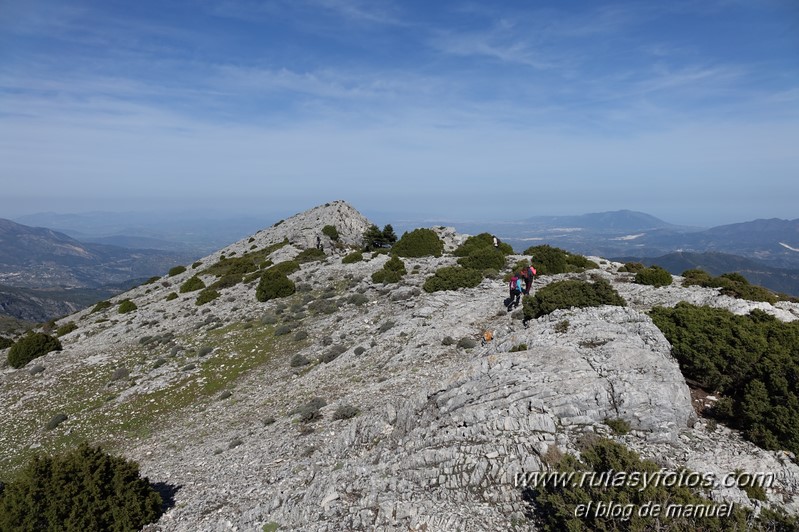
(176, 270)
(480, 242)
(731, 284)
(555, 504)
(5, 342)
(287, 267)
(31, 346)
(85, 489)
(207, 295)
(654, 276)
(751, 360)
(632, 267)
(191, 284)
(419, 243)
(452, 278)
(310, 255)
(126, 305)
(549, 260)
(100, 306)
(570, 293)
(486, 258)
(331, 232)
(392, 271)
(274, 284)
(355, 256)
(66, 328)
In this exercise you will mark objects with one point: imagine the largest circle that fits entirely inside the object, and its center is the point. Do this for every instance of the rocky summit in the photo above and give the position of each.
(355, 405)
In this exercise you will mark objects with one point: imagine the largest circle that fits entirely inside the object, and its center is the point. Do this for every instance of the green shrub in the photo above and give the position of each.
(171, 296)
(654, 276)
(333, 353)
(392, 271)
(331, 232)
(151, 280)
(207, 295)
(176, 270)
(419, 243)
(345, 412)
(452, 278)
(126, 305)
(191, 284)
(467, 343)
(283, 329)
(66, 328)
(84, 489)
(731, 284)
(196, 264)
(274, 284)
(310, 255)
(100, 306)
(562, 327)
(287, 267)
(632, 267)
(55, 421)
(355, 256)
(5, 342)
(486, 258)
(310, 410)
(359, 351)
(481, 242)
(549, 260)
(570, 293)
(618, 425)
(519, 347)
(31, 346)
(358, 299)
(750, 360)
(300, 335)
(556, 507)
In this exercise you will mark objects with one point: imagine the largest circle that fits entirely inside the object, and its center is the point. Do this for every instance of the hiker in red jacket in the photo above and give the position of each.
(527, 274)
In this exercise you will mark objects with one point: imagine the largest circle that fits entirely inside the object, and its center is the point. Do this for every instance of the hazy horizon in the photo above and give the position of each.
(687, 111)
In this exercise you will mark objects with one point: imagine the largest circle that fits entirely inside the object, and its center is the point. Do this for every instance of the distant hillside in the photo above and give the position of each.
(780, 280)
(32, 305)
(624, 221)
(36, 257)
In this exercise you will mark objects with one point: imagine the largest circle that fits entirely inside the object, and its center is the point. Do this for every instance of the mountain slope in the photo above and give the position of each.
(209, 398)
(36, 257)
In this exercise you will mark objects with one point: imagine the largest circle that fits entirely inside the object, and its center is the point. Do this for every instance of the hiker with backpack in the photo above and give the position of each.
(515, 287)
(528, 274)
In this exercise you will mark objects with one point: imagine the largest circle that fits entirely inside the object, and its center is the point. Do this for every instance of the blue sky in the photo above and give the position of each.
(504, 110)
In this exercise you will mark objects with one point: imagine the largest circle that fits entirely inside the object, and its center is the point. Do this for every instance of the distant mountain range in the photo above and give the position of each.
(46, 274)
(764, 251)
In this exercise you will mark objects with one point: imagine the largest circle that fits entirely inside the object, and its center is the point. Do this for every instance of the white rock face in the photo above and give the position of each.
(442, 431)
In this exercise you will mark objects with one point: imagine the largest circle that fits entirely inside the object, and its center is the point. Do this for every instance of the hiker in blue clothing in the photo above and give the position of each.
(515, 287)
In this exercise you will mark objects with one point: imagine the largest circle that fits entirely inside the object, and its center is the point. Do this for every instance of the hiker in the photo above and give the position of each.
(528, 274)
(318, 242)
(515, 287)
(496, 241)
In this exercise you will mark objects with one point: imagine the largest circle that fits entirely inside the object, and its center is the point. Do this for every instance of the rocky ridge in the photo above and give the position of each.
(205, 397)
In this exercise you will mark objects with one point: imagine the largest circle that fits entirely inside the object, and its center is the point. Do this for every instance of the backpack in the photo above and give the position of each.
(531, 271)
(513, 282)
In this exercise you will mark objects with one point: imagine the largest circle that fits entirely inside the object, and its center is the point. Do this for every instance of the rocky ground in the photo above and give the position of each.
(205, 398)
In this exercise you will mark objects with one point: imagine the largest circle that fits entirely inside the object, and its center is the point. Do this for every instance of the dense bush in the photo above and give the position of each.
(66, 328)
(480, 242)
(100, 306)
(298, 360)
(392, 271)
(176, 270)
(274, 284)
(171, 295)
(31, 346)
(374, 238)
(191, 284)
(486, 258)
(632, 267)
(555, 504)
(549, 260)
(331, 232)
(419, 243)
(568, 294)
(751, 360)
(85, 489)
(209, 294)
(126, 305)
(310, 410)
(345, 412)
(310, 255)
(452, 278)
(731, 284)
(287, 267)
(355, 256)
(5, 342)
(653, 276)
